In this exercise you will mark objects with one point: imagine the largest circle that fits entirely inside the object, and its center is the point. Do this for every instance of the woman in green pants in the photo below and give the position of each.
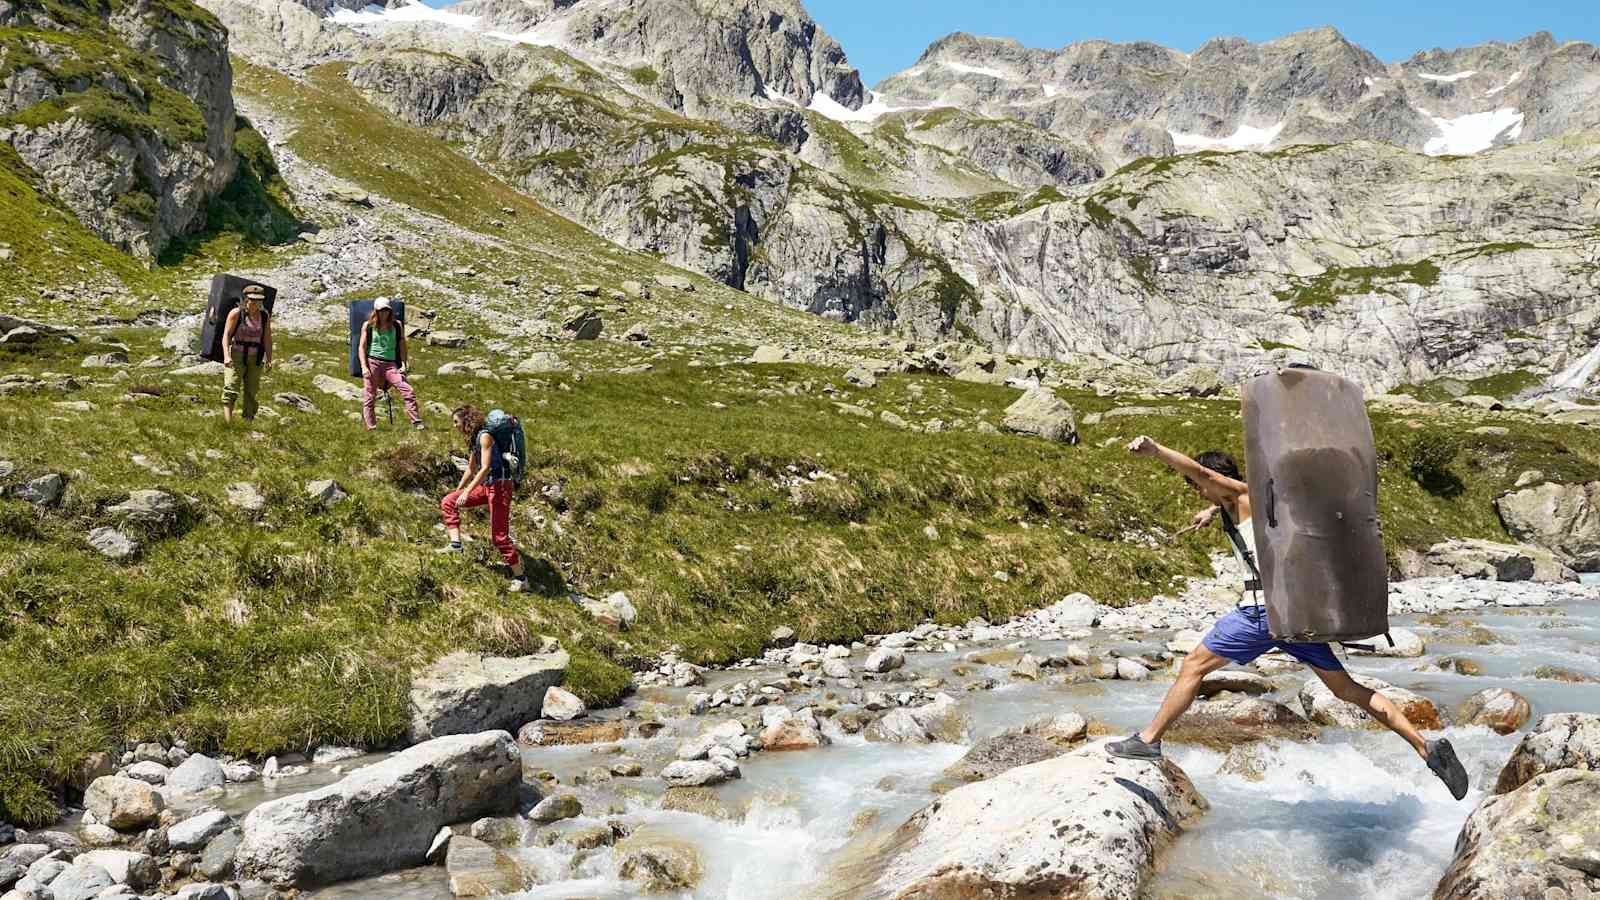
(246, 351)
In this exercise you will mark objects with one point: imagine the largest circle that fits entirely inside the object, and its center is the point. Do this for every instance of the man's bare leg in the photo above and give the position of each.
(1376, 705)
(1180, 696)
(1438, 754)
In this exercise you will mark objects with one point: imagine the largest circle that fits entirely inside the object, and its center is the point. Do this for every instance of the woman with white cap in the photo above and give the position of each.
(383, 363)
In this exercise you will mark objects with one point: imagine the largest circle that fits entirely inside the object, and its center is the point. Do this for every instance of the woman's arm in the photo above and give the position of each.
(266, 340)
(361, 347)
(227, 337)
(1188, 468)
(400, 344)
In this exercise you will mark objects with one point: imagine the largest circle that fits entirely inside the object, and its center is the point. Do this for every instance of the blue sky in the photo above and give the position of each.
(885, 36)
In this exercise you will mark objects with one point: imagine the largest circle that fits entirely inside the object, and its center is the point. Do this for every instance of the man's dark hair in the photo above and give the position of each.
(1221, 463)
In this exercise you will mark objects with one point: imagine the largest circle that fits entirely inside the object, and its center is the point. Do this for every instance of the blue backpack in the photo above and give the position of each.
(506, 431)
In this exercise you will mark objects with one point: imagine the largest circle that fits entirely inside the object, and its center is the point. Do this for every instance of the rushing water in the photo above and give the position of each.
(1354, 814)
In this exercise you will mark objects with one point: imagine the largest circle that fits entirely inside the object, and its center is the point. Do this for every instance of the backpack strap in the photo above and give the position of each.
(1249, 557)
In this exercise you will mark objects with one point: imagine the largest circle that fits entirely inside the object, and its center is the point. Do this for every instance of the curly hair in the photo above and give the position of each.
(1221, 463)
(469, 421)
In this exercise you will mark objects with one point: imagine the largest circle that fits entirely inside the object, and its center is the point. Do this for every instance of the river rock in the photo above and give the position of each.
(1060, 728)
(1537, 842)
(476, 869)
(1040, 412)
(693, 773)
(1562, 518)
(1236, 680)
(122, 803)
(555, 808)
(1132, 670)
(660, 866)
(1323, 708)
(79, 882)
(1557, 741)
(938, 721)
(465, 693)
(137, 870)
(218, 858)
(380, 817)
(1230, 720)
(562, 705)
(149, 772)
(1001, 753)
(1082, 825)
(1501, 711)
(195, 774)
(884, 659)
(795, 732)
(196, 831)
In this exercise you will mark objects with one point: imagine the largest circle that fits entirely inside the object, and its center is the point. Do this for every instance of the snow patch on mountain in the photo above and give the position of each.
(1473, 133)
(872, 109)
(1448, 78)
(1246, 138)
(409, 12)
(1509, 82)
(965, 69)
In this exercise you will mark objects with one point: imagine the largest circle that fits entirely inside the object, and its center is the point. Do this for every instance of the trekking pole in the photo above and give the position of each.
(388, 405)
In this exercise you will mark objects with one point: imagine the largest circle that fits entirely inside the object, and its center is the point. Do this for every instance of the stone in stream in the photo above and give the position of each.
(1027, 668)
(1082, 825)
(1001, 753)
(1061, 728)
(122, 803)
(694, 773)
(1498, 709)
(660, 865)
(1563, 518)
(1323, 708)
(196, 831)
(1557, 741)
(149, 772)
(938, 721)
(562, 705)
(1238, 681)
(137, 870)
(553, 734)
(217, 859)
(381, 817)
(476, 869)
(195, 774)
(465, 693)
(1561, 673)
(698, 800)
(1407, 645)
(884, 659)
(79, 882)
(1538, 842)
(555, 808)
(1132, 670)
(793, 732)
(1486, 559)
(1227, 721)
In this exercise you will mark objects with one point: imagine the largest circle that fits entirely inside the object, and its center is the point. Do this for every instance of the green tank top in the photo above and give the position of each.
(381, 344)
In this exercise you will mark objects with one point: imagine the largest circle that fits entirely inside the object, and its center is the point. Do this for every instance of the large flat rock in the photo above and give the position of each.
(465, 693)
(1083, 825)
(1538, 842)
(381, 817)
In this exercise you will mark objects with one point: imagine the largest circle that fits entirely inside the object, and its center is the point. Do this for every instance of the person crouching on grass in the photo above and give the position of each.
(383, 364)
(486, 481)
(1241, 635)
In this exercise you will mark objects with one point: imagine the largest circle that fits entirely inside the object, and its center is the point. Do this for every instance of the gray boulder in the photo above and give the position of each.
(585, 326)
(884, 659)
(1534, 843)
(381, 817)
(465, 693)
(1562, 518)
(938, 721)
(693, 773)
(562, 705)
(453, 339)
(476, 869)
(137, 870)
(195, 832)
(1001, 753)
(675, 282)
(344, 390)
(246, 496)
(84, 882)
(1487, 560)
(1557, 741)
(542, 362)
(324, 492)
(42, 491)
(146, 507)
(1082, 825)
(1040, 412)
(122, 803)
(195, 774)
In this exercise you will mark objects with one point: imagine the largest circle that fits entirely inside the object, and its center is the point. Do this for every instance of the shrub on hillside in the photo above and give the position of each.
(1428, 456)
(409, 467)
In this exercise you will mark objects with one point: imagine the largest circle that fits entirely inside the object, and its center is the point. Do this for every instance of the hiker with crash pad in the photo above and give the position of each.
(382, 349)
(496, 460)
(1320, 575)
(246, 352)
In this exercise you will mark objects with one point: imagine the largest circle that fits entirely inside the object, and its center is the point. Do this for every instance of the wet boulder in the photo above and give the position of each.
(1536, 842)
(1557, 741)
(465, 693)
(1229, 720)
(476, 869)
(1498, 709)
(1060, 728)
(380, 817)
(1323, 708)
(125, 804)
(938, 721)
(1236, 681)
(791, 731)
(660, 866)
(1082, 825)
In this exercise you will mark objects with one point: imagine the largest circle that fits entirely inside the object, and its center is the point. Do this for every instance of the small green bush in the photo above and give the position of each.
(1428, 458)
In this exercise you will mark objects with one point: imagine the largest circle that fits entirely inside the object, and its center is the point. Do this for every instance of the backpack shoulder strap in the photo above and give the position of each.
(1232, 531)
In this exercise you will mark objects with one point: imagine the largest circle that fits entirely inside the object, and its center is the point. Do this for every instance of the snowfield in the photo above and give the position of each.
(1473, 133)
(1246, 138)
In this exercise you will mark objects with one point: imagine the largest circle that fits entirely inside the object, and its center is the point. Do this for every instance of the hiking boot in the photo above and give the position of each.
(519, 584)
(1442, 760)
(418, 426)
(454, 549)
(1134, 747)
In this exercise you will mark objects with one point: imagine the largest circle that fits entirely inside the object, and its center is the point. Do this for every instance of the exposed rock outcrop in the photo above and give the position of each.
(1539, 841)
(1563, 518)
(465, 693)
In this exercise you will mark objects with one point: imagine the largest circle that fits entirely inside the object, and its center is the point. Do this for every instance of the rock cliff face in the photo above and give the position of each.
(124, 112)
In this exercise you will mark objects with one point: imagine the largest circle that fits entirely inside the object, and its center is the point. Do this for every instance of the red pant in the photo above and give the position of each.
(498, 497)
(379, 373)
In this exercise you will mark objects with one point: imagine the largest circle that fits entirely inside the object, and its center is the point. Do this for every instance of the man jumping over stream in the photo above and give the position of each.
(1241, 635)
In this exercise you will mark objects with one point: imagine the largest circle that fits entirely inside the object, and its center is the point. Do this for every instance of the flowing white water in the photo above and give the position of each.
(1354, 814)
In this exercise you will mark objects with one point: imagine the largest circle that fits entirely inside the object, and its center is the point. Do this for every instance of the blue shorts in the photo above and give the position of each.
(1241, 636)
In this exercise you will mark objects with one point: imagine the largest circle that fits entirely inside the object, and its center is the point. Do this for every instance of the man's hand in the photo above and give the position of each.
(227, 362)
(1143, 446)
(1204, 517)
